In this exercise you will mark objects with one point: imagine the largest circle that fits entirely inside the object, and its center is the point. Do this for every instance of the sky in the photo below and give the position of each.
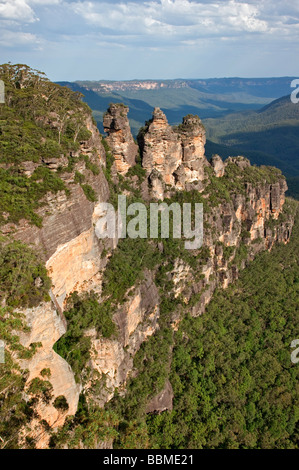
(156, 39)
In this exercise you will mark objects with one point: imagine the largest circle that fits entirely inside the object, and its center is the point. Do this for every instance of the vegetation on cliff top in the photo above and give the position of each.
(40, 122)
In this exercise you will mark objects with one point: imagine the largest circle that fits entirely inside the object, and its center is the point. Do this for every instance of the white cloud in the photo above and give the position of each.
(18, 10)
(44, 2)
(180, 35)
(21, 10)
(173, 18)
(12, 39)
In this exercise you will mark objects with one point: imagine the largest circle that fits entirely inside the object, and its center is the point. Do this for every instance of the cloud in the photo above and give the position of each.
(12, 39)
(168, 34)
(21, 11)
(18, 10)
(44, 2)
(172, 18)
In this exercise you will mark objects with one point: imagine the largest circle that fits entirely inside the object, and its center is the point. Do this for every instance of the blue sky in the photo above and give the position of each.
(122, 40)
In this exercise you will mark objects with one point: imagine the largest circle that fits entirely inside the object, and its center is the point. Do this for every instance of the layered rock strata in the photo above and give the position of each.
(119, 139)
(175, 156)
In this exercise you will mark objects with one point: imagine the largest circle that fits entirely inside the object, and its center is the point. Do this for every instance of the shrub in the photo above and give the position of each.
(89, 192)
(23, 278)
(60, 403)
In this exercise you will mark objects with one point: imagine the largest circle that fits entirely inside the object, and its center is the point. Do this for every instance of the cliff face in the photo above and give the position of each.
(175, 156)
(237, 227)
(240, 225)
(136, 320)
(120, 140)
(46, 328)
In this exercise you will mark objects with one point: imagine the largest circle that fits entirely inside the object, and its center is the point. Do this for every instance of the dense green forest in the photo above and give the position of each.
(233, 380)
(234, 383)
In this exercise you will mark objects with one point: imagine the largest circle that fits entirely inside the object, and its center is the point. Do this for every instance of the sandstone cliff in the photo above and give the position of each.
(175, 156)
(120, 140)
(46, 327)
(241, 219)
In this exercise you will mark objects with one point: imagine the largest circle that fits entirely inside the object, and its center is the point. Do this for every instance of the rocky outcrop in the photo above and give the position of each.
(78, 264)
(240, 229)
(64, 218)
(240, 161)
(161, 148)
(46, 327)
(120, 140)
(136, 320)
(175, 156)
(162, 401)
(193, 138)
(218, 165)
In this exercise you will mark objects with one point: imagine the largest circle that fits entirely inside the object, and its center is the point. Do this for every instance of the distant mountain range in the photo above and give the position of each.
(250, 116)
(209, 98)
(270, 134)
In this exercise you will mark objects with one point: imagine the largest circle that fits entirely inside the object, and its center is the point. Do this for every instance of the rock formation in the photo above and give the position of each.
(176, 156)
(46, 327)
(162, 401)
(120, 140)
(218, 165)
(193, 138)
(161, 148)
(136, 320)
(241, 222)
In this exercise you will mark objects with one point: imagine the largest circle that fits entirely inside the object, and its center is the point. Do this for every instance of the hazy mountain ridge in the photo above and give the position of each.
(206, 97)
(272, 132)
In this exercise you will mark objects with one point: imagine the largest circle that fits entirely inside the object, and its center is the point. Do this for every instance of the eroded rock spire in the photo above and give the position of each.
(120, 139)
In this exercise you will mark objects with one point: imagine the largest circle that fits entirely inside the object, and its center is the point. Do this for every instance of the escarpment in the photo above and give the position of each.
(148, 289)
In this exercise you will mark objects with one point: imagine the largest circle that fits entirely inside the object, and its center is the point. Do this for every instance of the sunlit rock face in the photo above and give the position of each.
(161, 148)
(193, 139)
(78, 264)
(218, 166)
(46, 327)
(120, 139)
(136, 320)
(175, 155)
